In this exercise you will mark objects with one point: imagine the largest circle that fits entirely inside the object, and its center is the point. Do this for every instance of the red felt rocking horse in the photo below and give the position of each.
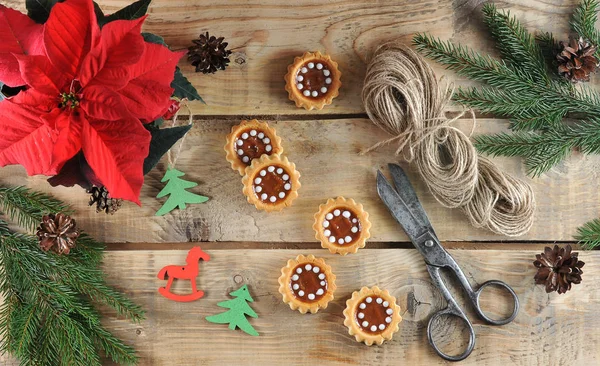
(187, 272)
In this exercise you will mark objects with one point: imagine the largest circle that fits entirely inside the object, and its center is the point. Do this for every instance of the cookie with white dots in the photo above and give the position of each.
(249, 141)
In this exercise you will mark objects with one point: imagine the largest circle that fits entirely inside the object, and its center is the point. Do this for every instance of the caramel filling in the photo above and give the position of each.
(314, 78)
(341, 226)
(252, 144)
(272, 184)
(373, 314)
(308, 283)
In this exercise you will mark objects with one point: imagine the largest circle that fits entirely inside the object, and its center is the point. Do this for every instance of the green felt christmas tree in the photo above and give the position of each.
(238, 310)
(177, 188)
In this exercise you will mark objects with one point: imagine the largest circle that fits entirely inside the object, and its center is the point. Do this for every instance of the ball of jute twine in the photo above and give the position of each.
(402, 96)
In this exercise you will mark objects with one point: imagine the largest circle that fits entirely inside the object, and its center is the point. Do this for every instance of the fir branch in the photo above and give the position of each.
(27, 207)
(588, 235)
(584, 22)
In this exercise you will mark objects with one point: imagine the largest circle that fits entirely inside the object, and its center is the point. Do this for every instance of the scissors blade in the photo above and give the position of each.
(412, 225)
(406, 191)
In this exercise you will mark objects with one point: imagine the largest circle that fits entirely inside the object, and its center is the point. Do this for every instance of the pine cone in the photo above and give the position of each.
(57, 232)
(558, 268)
(576, 61)
(101, 198)
(209, 54)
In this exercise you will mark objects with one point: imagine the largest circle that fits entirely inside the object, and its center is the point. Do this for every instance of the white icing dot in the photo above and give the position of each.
(381, 326)
(389, 311)
(365, 324)
(360, 315)
(326, 72)
(325, 224)
(329, 216)
(328, 81)
(271, 169)
(253, 133)
(245, 159)
(268, 148)
(379, 300)
(308, 267)
(295, 277)
(341, 241)
(316, 269)
(319, 66)
(320, 292)
(240, 152)
(267, 140)
(298, 270)
(263, 173)
(300, 293)
(306, 93)
(299, 77)
(368, 300)
(311, 65)
(300, 86)
(348, 239)
(295, 286)
(354, 220)
(388, 320)
(285, 177)
(304, 70)
(264, 196)
(244, 135)
(373, 328)
(346, 214)
(354, 229)
(311, 296)
(323, 90)
(386, 304)
(258, 189)
(240, 142)
(362, 306)
(273, 199)
(261, 135)
(323, 283)
(327, 233)
(315, 93)
(336, 213)
(282, 195)
(332, 239)
(279, 170)
(287, 186)
(322, 276)
(258, 180)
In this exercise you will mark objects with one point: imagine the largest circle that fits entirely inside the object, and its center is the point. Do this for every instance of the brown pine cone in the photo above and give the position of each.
(209, 54)
(576, 61)
(100, 197)
(57, 232)
(558, 268)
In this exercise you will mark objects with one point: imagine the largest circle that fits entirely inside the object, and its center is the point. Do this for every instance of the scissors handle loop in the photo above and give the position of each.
(450, 312)
(477, 294)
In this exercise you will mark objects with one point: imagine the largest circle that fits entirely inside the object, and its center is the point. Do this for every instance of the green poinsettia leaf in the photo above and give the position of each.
(153, 38)
(183, 87)
(39, 10)
(162, 141)
(133, 11)
(99, 13)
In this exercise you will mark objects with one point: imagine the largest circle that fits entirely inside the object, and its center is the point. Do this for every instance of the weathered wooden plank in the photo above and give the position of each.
(265, 36)
(550, 329)
(326, 154)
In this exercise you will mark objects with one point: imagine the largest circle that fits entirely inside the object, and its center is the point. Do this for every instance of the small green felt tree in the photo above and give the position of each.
(238, 310)
(176, 188)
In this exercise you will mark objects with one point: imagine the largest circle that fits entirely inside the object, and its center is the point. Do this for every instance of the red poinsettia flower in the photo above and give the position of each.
(86, 89)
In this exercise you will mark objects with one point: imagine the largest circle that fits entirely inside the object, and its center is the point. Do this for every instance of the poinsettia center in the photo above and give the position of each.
(69, 100)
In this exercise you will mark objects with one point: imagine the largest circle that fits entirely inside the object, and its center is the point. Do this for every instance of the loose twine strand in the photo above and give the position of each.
(402, 96)
(173, 160)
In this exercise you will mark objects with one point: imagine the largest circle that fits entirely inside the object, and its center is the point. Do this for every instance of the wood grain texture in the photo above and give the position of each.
(550, 329)
(326, 154)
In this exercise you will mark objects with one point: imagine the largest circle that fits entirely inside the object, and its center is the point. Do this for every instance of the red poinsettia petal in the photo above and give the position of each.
(68, 141)
(39, 74)
(31, 97)
(103, 103)
(148, 93)
(20, 36)
(69, 34)
(116, 151)
(25, 139)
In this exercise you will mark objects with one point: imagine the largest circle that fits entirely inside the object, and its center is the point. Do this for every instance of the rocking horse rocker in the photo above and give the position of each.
(187, 272)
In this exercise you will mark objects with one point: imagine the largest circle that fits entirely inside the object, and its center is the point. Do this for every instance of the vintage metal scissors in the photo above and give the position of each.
(407, 210)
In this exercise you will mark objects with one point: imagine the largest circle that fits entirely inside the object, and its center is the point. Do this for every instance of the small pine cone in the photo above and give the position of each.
(209, 54)
(57, 232)
(100, 197)
(576, 61)
(558, 268)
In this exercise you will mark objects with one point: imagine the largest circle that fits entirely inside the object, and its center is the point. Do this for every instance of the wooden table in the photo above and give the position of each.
(250, 247)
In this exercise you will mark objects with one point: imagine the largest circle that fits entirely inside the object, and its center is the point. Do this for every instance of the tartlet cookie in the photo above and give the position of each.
(271, 183)
(372, 315)
(250, 140)
(307, 284)
(313, 80)
(342, 225)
